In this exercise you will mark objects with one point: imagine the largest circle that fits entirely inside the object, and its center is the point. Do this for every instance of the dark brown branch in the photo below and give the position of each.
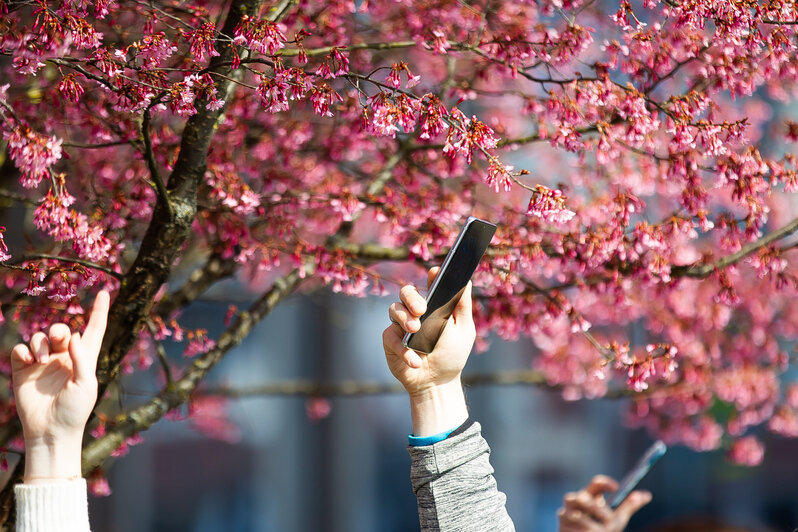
(171, 220)
(95, 146)
(142, 417)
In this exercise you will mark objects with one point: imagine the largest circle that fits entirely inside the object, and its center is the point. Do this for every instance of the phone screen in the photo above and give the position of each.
(633, 477)
(448, 286)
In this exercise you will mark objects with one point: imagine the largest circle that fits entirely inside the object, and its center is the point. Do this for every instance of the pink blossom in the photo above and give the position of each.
(65, 290)
(273, 92)
(440, 44)
(549, 205)
(4, 255)
(431, 116)
(318, 408)
(747, 451)
(262, 36)
(323, 97)
(198, 343)
(83, 34)
(208, 415)
(389, 115)
(70, 88)
(335, 64)
(32, 153)
(202, 42)
(466, 134)
(98, 484)
(35, 276)
(499, 176)
(152, 50)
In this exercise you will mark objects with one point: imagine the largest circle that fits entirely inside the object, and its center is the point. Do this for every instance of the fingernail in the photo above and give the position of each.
(44, 359)
(413, 324)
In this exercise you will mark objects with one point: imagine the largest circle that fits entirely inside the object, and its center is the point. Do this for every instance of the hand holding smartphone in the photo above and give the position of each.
(447, 287)
(640, 470)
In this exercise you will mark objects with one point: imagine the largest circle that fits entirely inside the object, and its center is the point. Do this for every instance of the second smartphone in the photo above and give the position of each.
(456, 270)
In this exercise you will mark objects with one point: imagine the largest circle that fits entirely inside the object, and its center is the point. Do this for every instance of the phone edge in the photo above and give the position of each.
(446, 261)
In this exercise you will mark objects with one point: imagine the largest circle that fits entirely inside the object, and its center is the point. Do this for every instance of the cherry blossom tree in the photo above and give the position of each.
(635, 155)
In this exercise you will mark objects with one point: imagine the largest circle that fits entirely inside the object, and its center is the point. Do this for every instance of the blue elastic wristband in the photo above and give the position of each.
(415, 441)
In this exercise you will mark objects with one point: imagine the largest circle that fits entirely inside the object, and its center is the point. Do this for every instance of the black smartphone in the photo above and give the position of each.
(633, 477)
(447, 287)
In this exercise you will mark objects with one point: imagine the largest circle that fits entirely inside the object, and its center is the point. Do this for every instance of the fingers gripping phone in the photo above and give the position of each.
(447, 287)
(633, 477)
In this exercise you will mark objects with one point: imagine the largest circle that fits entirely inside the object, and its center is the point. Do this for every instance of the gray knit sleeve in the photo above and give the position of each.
(453, 482)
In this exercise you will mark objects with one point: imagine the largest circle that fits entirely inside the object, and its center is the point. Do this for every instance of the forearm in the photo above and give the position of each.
(53, 495)
(48, 459)
(454, 485)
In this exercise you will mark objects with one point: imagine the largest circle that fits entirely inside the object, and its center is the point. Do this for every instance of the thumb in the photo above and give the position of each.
(84, 366)
(633, 503)
(464, 311)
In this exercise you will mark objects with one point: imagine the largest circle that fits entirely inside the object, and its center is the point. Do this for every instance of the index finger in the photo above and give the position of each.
(98, 319)
(431, 274)
(601, 484)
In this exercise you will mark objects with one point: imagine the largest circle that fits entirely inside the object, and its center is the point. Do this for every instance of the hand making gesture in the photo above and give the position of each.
(55, 387)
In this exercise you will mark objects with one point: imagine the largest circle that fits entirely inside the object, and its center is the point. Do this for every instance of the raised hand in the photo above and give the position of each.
(587, 511)
(55, 387)
(433, 380)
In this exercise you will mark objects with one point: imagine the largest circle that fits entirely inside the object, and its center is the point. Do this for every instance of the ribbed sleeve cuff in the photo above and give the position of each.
(53, 507)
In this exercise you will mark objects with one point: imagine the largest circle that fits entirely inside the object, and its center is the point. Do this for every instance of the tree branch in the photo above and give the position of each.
(84, 263)
(149, 156)
(215, 269)
(351, 388)
(701, 271)
(142, 417)
(171, 220)
(19, 198)
(310, 52)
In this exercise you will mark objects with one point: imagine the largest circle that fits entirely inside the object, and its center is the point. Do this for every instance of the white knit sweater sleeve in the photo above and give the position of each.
(52, 507)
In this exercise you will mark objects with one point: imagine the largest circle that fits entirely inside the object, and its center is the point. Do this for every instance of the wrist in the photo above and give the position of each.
(439, 408)
(50, 459)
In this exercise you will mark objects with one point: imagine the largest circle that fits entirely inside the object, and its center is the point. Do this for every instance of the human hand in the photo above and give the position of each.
(55, 388)
(416, 372)
(433, 380)
(587, 511)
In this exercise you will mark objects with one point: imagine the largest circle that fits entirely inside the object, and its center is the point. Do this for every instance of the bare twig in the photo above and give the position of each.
(149, 156)
(81, 262)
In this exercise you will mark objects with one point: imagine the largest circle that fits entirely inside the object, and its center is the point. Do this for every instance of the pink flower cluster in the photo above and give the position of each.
(549, 205)
(747, 451)
(394, 79)
(202, 42)
(263, 36)
(33, 154)
(55, 218)
(208, 415)
(467, 134)
(4, 255)
(335, 64)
